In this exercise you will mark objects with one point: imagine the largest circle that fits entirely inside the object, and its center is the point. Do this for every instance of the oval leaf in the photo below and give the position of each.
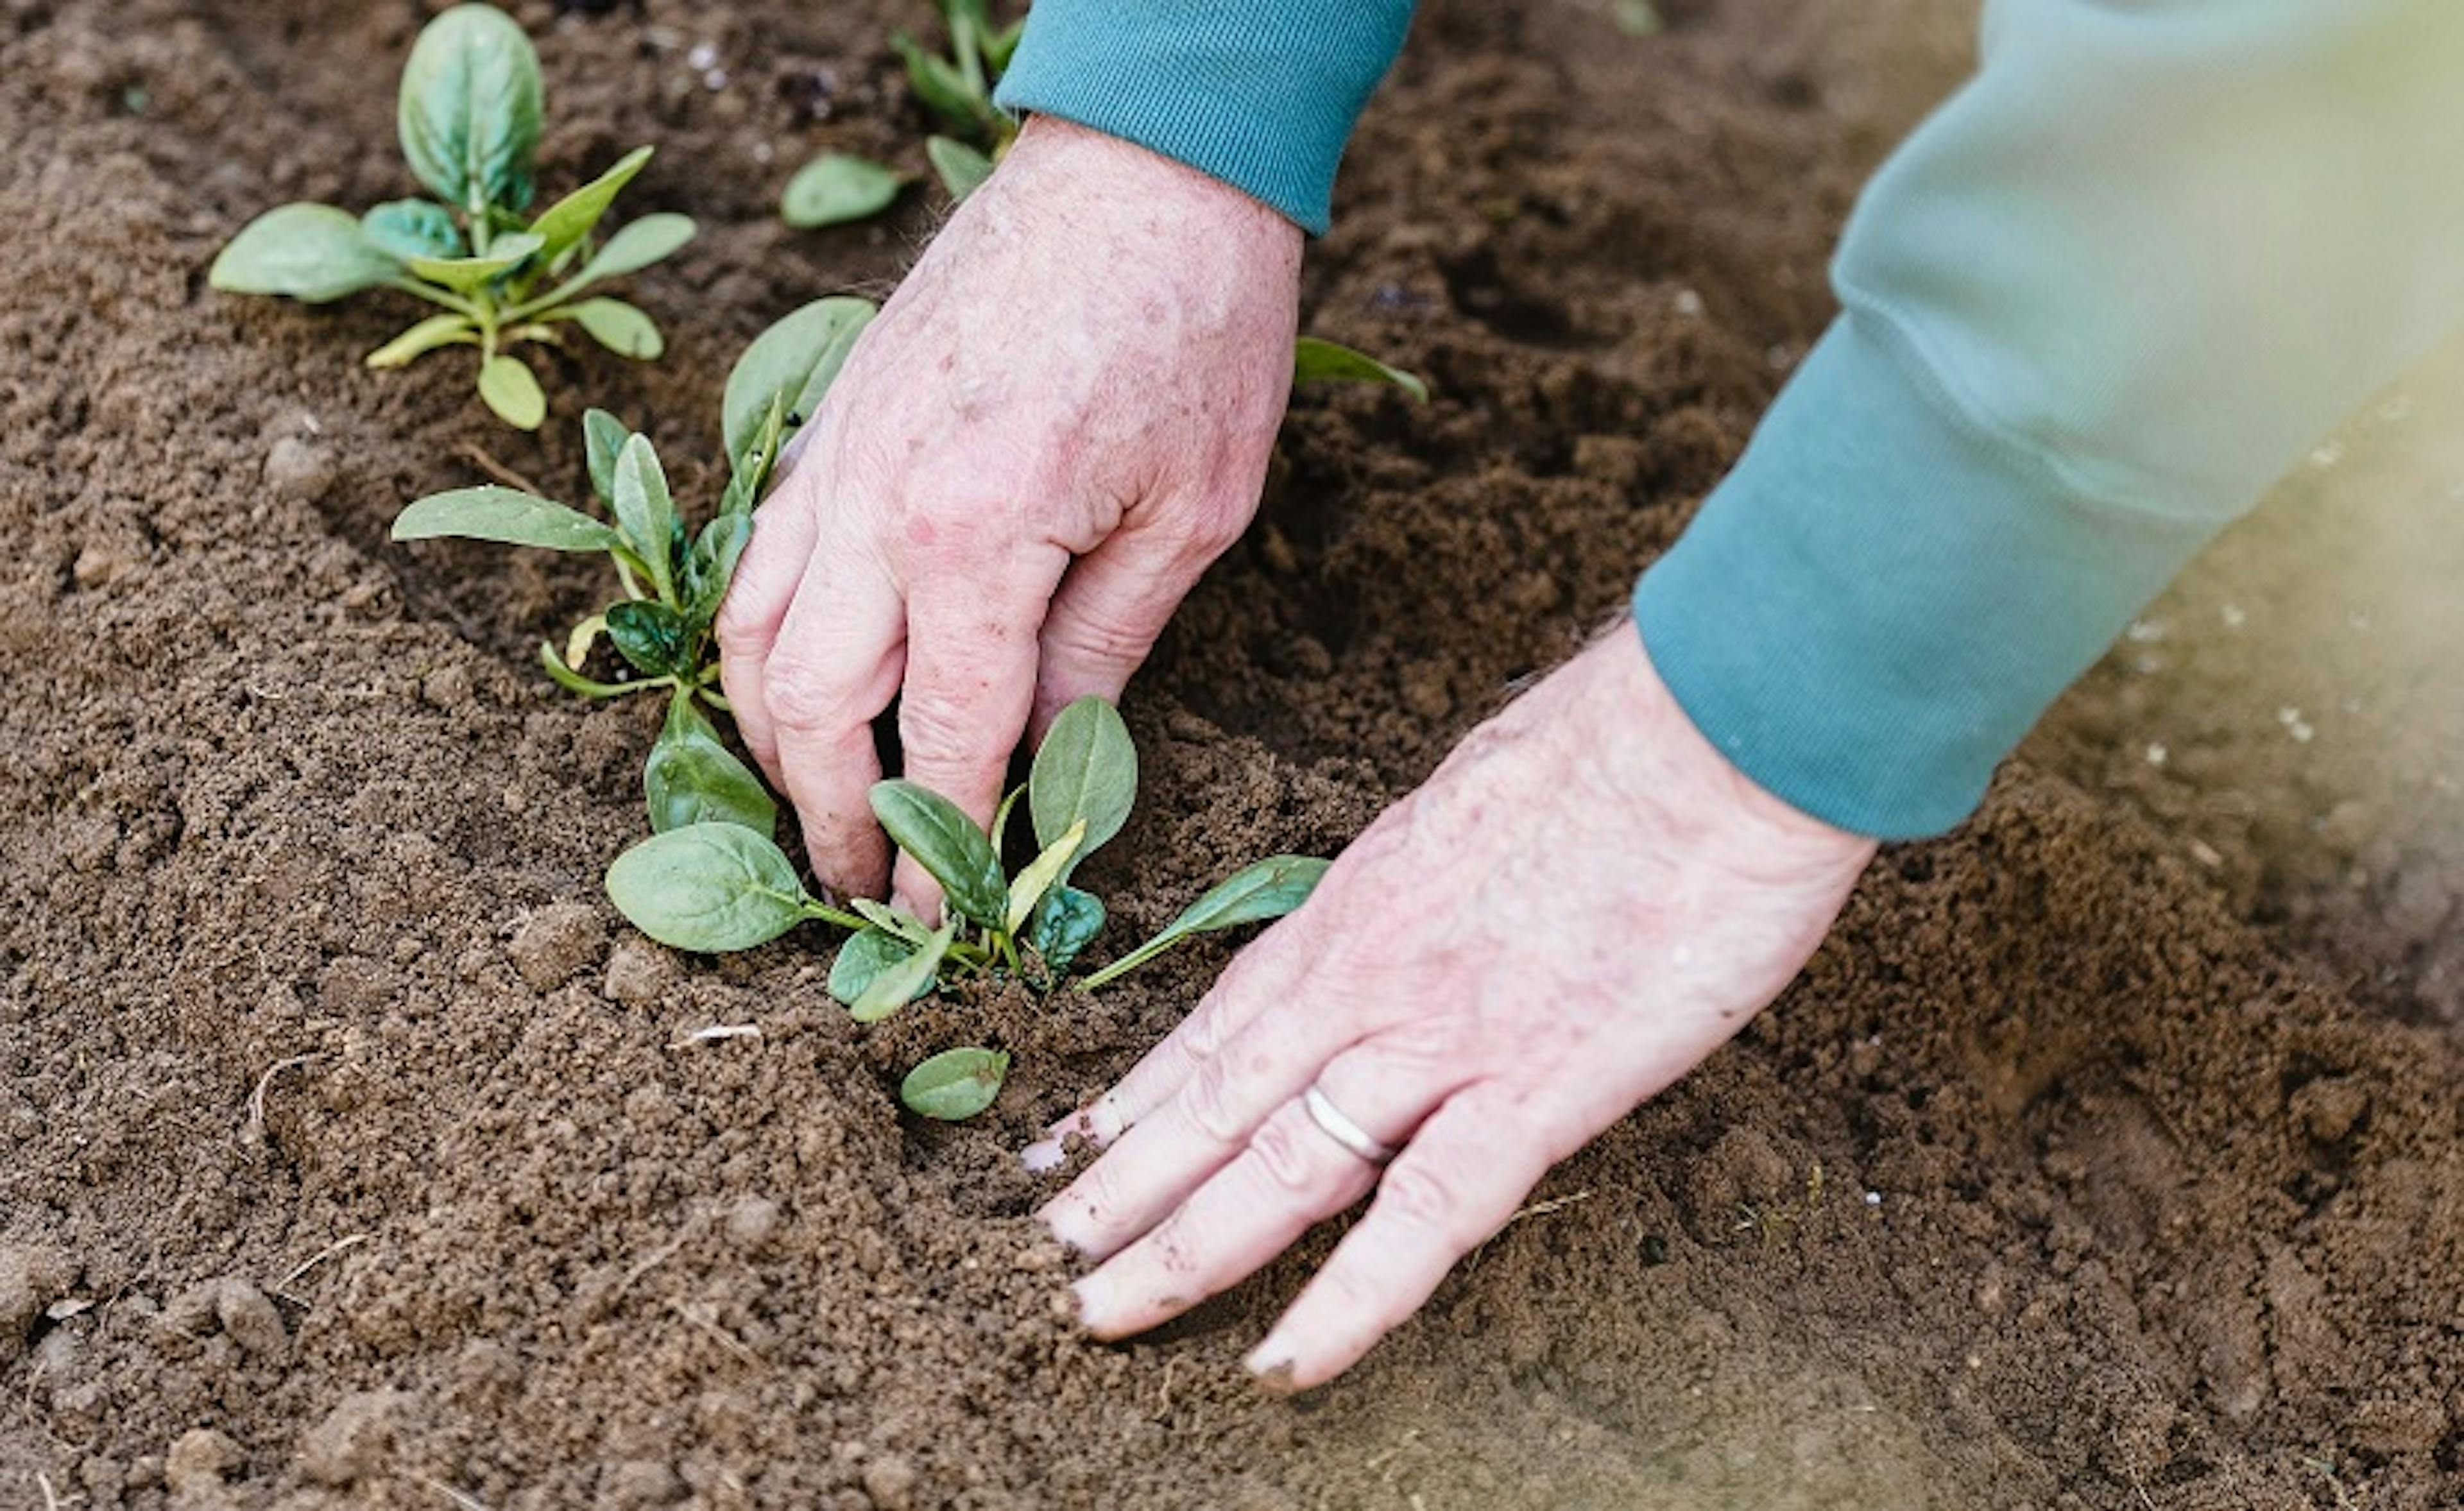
(620, 328)
(903, 980)
(1315, 360)
(561, 225)
(792, 364)
(947, 843)
(469, 108)
(692, 778)
(1252, 894)
(462, 274)
(708, 887)
(414, 228)
(503, 515)
(711, 565)
(603, 439)
(1085, 772)
(653, 238)
(835, 189)
(955, 1084)
(437, 329)
(1029, 888)
(509, 389)
(652, 637)
(862, 959)
(962, 169)
(1065, 922)
(311, 253)
(645, 511)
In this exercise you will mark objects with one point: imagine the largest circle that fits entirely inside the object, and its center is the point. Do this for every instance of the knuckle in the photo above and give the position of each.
(1100, 633)
(799, 697)
(1416, 1197)
(1208, 1103)
(1213, 528)
(1283, 1157)
(1203, 1036)
(939, 732)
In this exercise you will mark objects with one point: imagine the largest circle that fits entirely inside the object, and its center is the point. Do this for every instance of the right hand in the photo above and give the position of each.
(1058, 422)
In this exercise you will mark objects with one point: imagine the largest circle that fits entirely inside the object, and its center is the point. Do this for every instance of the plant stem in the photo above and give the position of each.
(1132, 962)
(574, 682)
(828, 914)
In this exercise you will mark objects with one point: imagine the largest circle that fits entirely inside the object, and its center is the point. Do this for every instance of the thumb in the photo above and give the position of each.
(1115, 600)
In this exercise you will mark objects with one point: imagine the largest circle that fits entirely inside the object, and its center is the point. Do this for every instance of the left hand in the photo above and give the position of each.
(1582, 903)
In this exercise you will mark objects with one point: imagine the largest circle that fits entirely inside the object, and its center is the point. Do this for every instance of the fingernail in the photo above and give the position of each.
(1271, 1363)
(1042, 1156)
(1092, 1302)
(1102, 1122)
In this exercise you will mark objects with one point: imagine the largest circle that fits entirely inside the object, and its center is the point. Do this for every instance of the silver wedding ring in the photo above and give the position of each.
(1342, 1130)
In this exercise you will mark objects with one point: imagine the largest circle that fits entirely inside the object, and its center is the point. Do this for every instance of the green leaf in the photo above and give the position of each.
(692, 778)
(653, 238)
(1085, 772)
(711, 564)
(429, 334)
(890, 920)
(793, 362)
(510, 389)
(962, 169)
(947, 843)
(645, 509)
(1065, 922)
(1001, 818)
(462, 274)
(708, 887)
(749, 478)
(620, 327)
(312, 252)
(506, 516)
(955, 1084)
(563, 225)
(1028, 887)
(651, 636)
(469, 108)
(1253, 894)
(1317, 361)
(941, 87)
(414, 228)
(862, 959)
(835, 189)
(603, 439)
(903, 980)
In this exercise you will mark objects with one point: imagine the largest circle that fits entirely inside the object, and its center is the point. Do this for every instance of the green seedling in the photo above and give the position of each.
(713, 888)
(1318, 360)
(837, 187)
(673, 578)
(469, 115)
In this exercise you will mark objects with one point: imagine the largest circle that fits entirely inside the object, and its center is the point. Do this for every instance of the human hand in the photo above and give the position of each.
(1580, 904)
(1060, 419)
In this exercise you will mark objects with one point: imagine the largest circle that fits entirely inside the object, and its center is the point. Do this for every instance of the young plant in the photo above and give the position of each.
(469, 115)
(1315, 360)
(838, 188)
(718, 887)
(673, 578)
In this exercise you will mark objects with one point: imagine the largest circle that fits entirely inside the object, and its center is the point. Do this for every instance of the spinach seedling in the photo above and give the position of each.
(673, 578)
(721, 887)
(838, 188)
(469, 115)
(1315, 360)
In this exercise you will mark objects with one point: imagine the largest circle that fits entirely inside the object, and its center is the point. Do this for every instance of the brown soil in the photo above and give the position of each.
(2067, 1177)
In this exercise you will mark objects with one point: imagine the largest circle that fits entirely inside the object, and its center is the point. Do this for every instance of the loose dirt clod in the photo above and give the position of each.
(250, 1320)
(198, 1461)
(32, 1276)
(351, 1443)
(557, 941)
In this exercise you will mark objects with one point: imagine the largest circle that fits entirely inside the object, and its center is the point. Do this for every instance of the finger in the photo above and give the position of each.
(1117, 598)
(758, 598)
(1291, 1177)
(1457, 1182)
(1164, 1157)
(971, 649)
(834, 669)
(1262, 974)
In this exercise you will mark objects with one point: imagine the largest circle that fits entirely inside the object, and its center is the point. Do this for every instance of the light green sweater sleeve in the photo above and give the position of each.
(2098, 301)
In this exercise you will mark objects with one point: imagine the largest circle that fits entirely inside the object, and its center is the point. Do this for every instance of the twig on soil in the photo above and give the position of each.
(255, 1129)
(281, 1287)
(1537, 1209)
(661, 1256)
(51, 1499)
(726, 1340)
(716, 1032)
(495, 468)
(466, 1503)
(2326, 1471)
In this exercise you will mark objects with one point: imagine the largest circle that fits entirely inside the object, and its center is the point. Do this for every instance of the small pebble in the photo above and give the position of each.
(248, 1319)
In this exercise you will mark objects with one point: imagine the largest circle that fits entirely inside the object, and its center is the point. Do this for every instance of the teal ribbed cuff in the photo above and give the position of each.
(1874, 607)
(1262, 94)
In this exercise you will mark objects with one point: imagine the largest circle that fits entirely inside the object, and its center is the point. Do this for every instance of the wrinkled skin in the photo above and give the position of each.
(1581, 903)
(1060, 419)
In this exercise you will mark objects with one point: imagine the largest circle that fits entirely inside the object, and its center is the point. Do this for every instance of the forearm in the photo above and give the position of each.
(2093, 307)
